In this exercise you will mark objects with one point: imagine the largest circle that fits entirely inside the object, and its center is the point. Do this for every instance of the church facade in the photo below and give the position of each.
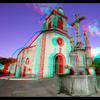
(52, 50)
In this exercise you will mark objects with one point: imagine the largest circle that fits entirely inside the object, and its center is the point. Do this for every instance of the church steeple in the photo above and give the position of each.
(56, 20)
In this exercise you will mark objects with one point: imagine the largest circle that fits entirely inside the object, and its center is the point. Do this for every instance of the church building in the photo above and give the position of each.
(53, 49)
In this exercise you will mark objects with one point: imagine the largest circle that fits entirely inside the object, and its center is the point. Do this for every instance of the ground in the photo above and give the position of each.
(32, 88)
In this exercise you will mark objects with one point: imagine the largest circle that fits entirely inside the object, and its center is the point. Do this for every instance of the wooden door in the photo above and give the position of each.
(58, 64)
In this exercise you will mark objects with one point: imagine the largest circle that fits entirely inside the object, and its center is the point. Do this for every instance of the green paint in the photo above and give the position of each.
(37, 56)
(10, 67)
(18, 72)
(51, 65)
(54, 41)
(86, 73)
(1, 67)
(44, 25)
(54, 22)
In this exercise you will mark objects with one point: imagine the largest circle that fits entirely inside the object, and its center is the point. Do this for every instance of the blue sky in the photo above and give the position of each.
(20, 21)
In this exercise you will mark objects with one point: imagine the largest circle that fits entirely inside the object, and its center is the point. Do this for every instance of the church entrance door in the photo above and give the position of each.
(59, 64)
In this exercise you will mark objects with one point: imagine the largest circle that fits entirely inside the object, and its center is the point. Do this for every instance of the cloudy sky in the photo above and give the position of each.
(20, 23)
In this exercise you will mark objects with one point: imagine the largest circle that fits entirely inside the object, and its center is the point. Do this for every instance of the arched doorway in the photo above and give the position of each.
(59, 63)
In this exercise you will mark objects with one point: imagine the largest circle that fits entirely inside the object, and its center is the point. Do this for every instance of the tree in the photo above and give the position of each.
(93, 61)
(7, 60)
(97, 62)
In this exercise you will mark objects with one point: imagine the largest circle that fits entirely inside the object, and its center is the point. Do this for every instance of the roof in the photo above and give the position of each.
(26, 48)
(47, 30)
(52, 30)
(55, 11)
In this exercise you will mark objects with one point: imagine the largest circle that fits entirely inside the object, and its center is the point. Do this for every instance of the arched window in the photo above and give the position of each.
(22, 61)
(27, 61)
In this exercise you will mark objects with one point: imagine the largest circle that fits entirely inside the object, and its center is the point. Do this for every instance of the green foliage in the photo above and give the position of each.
(91, 65)
(1, 73)
(96, 62)
(67, 66)
(7, 60)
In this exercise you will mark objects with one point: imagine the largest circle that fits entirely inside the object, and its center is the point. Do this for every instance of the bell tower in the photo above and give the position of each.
(56, 20)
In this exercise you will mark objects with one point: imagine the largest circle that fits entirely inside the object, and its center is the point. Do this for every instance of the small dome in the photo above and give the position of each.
(60, 10)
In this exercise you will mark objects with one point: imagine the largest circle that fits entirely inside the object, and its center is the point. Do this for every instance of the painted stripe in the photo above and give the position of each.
(42, 55)
(32, 58)
(37, 56)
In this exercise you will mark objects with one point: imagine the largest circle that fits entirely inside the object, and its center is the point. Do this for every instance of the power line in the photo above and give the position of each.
(3, 55)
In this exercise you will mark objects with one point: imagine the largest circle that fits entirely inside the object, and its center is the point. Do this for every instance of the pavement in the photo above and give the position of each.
(28, 87)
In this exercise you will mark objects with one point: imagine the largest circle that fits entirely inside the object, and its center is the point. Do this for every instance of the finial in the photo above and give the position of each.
(85, 30)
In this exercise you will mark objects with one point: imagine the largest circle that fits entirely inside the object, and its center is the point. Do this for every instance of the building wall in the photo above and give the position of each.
(52, 49)
(37, 55)
(24, 55)
(40, 62)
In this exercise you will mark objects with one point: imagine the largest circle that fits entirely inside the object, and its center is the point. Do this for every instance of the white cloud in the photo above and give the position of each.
(94, 30)
(44, 7)
(92, 27)
(95, 51)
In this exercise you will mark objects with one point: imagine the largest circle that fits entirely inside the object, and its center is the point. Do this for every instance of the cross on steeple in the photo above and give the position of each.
(77, 28)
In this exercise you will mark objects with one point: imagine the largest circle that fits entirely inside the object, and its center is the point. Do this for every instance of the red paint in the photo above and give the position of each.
(49, 25)
(60, 41)
(29, 69)
(27, 61)
(88, 72)
(60, 24)
(82, 73)
(97, 71)
(72, 71)
(24, 72)
(42, 55)
(72, 24)
(12, 74)
(59, 50)
(7, 79)
(6, 68)
(59, 63)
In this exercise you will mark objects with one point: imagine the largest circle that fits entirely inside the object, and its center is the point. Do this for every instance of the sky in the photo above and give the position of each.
(20, 23)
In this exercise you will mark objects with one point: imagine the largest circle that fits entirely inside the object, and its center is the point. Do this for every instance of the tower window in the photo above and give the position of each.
(49, 23)
(60, 23)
